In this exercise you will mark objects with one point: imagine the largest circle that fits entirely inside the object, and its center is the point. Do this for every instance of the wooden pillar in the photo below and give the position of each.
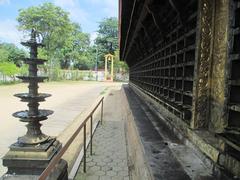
(220, 62)
(106, 71)
(112, 69)
(201, 86)
(209, 90)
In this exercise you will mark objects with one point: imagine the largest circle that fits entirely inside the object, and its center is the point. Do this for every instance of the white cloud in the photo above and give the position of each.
(110, 7)
(2, 2)
(9, 32)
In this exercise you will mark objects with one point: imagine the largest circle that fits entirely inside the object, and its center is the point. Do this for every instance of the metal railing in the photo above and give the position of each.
(59, 155)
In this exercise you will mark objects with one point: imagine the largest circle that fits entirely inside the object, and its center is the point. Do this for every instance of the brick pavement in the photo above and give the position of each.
(109, 159)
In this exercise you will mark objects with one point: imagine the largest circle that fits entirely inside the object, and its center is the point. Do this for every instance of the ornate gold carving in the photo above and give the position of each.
(203, 65)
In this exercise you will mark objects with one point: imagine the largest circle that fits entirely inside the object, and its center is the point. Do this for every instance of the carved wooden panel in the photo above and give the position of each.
(203, 65)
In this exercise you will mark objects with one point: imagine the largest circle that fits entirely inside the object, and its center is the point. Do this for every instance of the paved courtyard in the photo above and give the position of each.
(68, 100)
(109, 159)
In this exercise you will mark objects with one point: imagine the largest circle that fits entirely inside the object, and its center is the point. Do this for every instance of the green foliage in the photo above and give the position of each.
(8, 69)
(107, 39)
(23, 70)
(65, 43)
(3, 55)
(11, 62)
(42, 53)
(76, 50)
(108, 33)
(119, 66)
(66, 46)
(11, 53)
(51, 21)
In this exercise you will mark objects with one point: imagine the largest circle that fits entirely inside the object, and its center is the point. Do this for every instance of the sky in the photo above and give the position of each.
(88, 13)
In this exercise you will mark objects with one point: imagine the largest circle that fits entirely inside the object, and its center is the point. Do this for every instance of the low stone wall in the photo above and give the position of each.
(138, 166)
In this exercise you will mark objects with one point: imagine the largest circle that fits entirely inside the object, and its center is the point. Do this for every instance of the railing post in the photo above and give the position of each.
(91, 122)
(84, 148)
(57, 158)
(102, 112)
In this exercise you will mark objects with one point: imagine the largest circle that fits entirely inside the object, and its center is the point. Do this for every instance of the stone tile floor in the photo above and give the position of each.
(109, 159)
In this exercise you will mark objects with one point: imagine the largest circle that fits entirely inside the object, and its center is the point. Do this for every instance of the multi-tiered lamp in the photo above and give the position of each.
(30, 155)
(34, 115)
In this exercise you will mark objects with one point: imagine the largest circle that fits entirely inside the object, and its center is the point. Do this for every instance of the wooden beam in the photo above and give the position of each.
(148, 36)
(154, 20)
(138, 26)
(129, 27)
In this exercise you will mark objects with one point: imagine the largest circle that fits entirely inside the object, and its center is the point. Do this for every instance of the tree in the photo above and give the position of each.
(76, 48)
(11, 53)
(3, 54)
(51, 21)
(107, 39)
(11, 60)
(65, 43)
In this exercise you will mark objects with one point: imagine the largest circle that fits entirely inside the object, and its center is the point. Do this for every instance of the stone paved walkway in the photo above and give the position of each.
(109, 159)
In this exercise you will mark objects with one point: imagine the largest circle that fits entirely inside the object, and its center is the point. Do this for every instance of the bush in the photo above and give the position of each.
(8, 69)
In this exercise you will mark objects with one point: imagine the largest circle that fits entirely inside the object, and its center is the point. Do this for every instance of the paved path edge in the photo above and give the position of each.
(72, 153)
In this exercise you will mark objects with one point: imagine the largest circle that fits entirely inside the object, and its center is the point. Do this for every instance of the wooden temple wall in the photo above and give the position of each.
(188, 61)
